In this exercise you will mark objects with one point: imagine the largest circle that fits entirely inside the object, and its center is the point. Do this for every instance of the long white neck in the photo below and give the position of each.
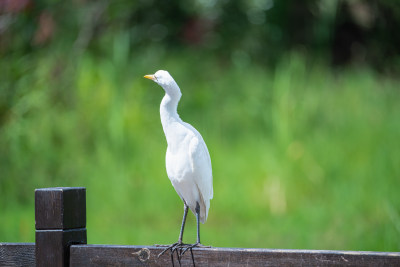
(168, 112)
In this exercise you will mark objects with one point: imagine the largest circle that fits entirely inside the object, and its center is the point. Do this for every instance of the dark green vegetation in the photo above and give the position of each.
(303, 156)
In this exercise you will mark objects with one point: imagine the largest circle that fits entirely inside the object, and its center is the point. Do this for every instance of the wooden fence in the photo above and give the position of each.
(60, 220)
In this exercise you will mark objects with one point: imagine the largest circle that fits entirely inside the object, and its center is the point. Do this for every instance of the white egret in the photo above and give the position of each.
(187, 160)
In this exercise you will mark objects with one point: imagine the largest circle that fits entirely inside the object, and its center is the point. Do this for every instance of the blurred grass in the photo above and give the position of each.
(303, 157)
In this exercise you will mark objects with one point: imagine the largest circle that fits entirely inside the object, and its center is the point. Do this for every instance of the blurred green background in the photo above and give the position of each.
(298, 102)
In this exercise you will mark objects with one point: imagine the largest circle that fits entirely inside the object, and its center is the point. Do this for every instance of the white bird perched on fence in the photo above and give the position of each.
(187, 160)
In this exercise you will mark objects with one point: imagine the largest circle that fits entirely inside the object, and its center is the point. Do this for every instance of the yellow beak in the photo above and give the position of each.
(150, 77)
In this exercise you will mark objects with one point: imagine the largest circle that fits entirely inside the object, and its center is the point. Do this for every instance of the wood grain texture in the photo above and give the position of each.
(17, 254)
(52, 246)
(60, 208)
(60, 220)
(103, 255)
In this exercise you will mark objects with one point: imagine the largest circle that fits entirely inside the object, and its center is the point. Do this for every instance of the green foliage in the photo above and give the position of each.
(303, 157)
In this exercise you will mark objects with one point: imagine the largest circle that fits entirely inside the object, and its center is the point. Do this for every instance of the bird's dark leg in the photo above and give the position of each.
(186, 208)
(174, 246)
(198, 222)
(197, 244)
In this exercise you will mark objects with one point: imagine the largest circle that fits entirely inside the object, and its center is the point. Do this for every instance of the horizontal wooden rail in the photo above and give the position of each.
(17, 254)
(105, 255)
(23, 254)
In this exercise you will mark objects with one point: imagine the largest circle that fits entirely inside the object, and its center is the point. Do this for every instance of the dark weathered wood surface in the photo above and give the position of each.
(60, 208)
(17, 254)
(103, 255)
(60, 215)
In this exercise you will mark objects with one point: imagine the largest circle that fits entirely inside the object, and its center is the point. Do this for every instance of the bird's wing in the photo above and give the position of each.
(201, 166)
(201, 163)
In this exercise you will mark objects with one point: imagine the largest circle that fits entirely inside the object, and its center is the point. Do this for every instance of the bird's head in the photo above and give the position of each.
(165, 80)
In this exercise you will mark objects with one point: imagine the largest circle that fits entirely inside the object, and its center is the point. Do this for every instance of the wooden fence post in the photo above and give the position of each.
(60, 221)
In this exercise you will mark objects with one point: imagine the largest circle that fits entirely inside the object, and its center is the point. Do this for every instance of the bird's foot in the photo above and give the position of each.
(172, 248)
(180, 248)
(190, 246)
(176, 247)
